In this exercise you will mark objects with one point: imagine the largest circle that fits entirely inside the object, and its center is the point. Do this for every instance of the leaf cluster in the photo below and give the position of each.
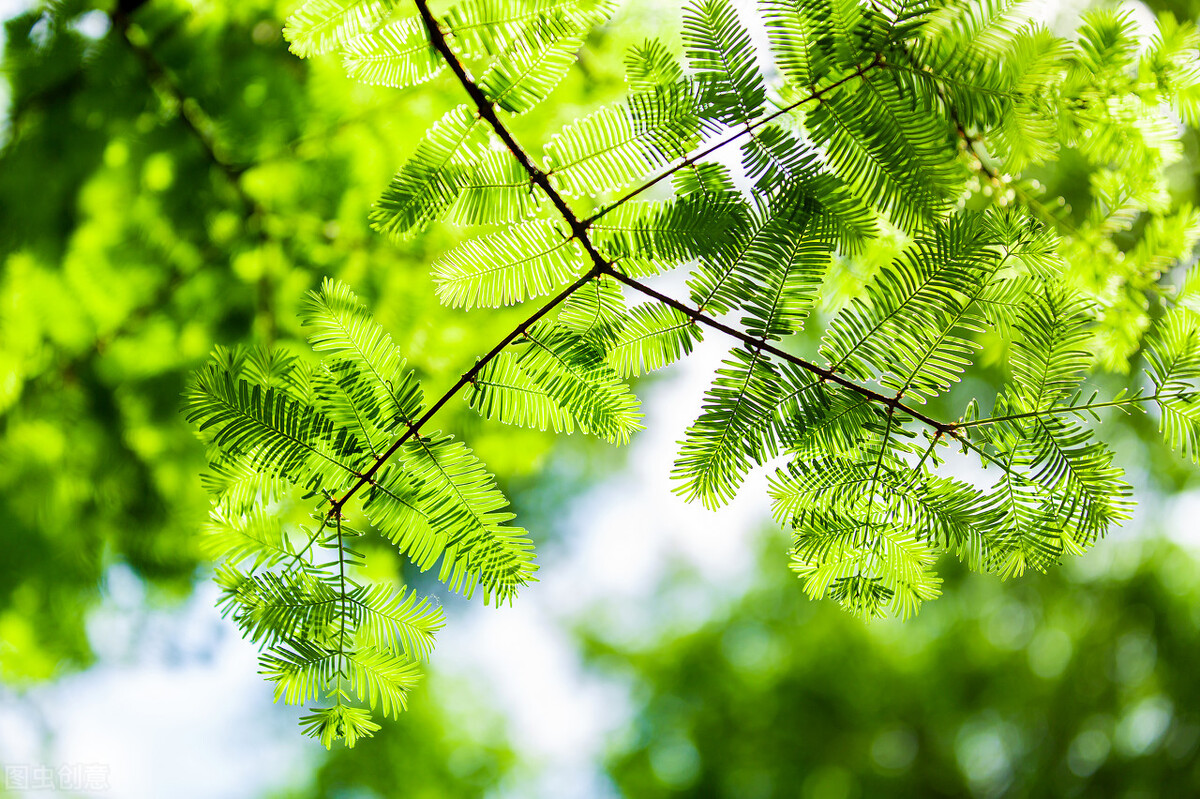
(913, 118)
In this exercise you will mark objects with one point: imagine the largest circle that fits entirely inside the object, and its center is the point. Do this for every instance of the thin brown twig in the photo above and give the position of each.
(827, 374)
(485, 109)
(467, 377)
(1077, 410)
(487, 112)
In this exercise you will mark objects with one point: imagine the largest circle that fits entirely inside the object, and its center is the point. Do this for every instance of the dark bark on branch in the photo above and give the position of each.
(486, 111)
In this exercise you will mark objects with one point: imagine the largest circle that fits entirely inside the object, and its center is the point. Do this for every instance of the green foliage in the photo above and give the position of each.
(505, 268)
(911, 121)
(397, 54)
(651, 337)
(320, 26)
(615, 146)
(1174, 368)
(272, 420)
(569, 373)
(431, 181)
(912, 325)
(721, 56)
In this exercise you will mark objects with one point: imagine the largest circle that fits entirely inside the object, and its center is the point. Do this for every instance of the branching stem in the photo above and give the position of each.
(487, 112)
(485, 109)
(600, 266)
(342, 584)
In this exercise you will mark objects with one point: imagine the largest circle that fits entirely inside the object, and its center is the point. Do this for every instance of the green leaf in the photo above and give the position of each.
(595, 310)
(891, 154)
(790, 179)
(573, 372)
(429, 183)
(288, 606)
(616, 145)
(1174, 355)
(388, 619)
(795, 34)
(498, 191)
(781, 275)
(1049, 355)
(480, 28)
(383, 392)
(321, 26)
(459, 517)
(351, 399)
(503, 391)
(398, 55)
(256, 535)
(1061, 490)
(667, 233)
(650, 337)
(302, 671)
(866, 567)
(720, 446)
(528, 72)
(905, 325)
(650, 66)
(526, 260)
(269, 430)
(345, 722)
(720, 51)
(382, 678)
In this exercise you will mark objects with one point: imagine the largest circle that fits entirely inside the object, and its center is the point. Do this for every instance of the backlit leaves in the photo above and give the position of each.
(890, 117)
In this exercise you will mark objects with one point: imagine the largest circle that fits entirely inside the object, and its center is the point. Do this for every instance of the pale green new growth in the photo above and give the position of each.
(913, 120)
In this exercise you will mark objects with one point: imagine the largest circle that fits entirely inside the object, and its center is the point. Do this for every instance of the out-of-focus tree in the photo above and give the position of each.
(1074, 683)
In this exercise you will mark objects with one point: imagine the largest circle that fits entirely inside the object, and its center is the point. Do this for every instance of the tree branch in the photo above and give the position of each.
(485, 110)
(753, 343)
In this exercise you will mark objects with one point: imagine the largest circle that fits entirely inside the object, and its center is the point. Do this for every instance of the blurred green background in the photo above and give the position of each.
(172, 178)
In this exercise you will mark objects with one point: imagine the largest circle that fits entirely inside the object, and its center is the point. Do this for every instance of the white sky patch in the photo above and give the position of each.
(92, 24)
(11, 8)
